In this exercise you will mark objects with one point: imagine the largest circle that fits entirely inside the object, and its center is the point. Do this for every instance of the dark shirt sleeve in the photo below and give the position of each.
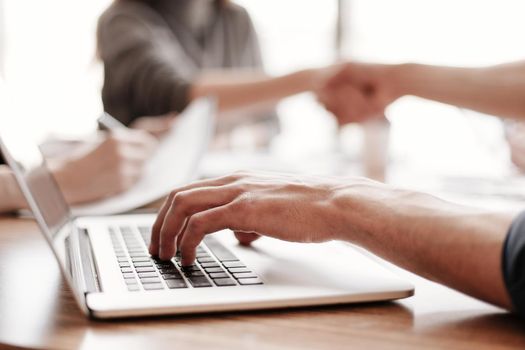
(514, 263)
(145, 69)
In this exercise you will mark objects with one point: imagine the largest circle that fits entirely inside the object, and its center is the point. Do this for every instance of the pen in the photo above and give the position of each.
(107, 122)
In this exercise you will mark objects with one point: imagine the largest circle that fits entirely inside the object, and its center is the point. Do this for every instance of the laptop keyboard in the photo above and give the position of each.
(215, 266)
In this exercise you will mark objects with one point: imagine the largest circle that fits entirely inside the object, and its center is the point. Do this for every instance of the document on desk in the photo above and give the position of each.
(174, 163)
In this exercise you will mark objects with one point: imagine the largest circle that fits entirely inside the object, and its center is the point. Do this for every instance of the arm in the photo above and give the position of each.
(238, 89)
(497, 90)
(363, 91)
(147, 71)
(458, 246)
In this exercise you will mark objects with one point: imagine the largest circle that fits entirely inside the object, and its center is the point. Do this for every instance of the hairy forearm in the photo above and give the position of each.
(497, 90)
(451, 244)
(10, 197)
(239, 90)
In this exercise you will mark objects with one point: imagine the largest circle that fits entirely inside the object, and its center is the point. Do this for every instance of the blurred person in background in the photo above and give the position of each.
(159, 55)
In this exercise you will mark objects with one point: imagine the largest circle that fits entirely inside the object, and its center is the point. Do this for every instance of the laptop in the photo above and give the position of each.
(105, 261)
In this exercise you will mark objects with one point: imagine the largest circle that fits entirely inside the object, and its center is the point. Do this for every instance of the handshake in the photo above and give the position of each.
(356, 92)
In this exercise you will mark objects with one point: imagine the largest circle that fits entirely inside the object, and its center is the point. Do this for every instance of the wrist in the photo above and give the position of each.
(307, 79)
(364, 211)
(401, 77)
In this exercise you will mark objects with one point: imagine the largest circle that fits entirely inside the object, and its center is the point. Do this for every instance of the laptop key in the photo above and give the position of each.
(171, 269)
(147, 274)
(215, 275)
(193, 273)
(172, 284)
(126, 269)
(239, 270)
(124, 265)
(210, 264)
(133, 287)
(213, 269)
(224, 282)
(127, 275)
(199, 282)
(244, 275)
(229, 264)
(142, 259)
(131, 281)
(206, 260)
(190, 268)
(145, 269)
(249, 281)
(172, 276)
(148, 280)
(153, 286)
(142, 264)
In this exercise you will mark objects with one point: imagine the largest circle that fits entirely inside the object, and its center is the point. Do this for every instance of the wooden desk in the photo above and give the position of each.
(37, 311)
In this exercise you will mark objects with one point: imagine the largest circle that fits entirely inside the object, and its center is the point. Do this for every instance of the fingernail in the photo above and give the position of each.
(164, 256)
(186, 262)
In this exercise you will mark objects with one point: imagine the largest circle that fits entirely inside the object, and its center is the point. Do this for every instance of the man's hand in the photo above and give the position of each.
(359, 92)
(305, 209)
(99, 169)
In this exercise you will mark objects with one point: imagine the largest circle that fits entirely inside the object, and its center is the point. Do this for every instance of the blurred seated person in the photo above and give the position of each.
(92, 170)
(159, 55)
(361, 91)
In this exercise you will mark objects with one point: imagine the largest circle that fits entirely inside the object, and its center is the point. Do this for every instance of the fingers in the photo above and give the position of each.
(157, 225)
(246, 238)
(183, 205)
(161, 217)
(155, 233)
(204, 223)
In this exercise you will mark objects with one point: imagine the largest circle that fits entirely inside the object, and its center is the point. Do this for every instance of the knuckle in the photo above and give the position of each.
(179, 202)
(245, 202)
(172, 195)
(239, 175)
(195, 224)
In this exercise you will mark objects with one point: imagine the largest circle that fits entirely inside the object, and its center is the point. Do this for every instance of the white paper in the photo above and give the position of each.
(174, 163)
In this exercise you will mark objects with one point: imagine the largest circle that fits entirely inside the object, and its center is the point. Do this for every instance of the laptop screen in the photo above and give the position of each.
(36, 183)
